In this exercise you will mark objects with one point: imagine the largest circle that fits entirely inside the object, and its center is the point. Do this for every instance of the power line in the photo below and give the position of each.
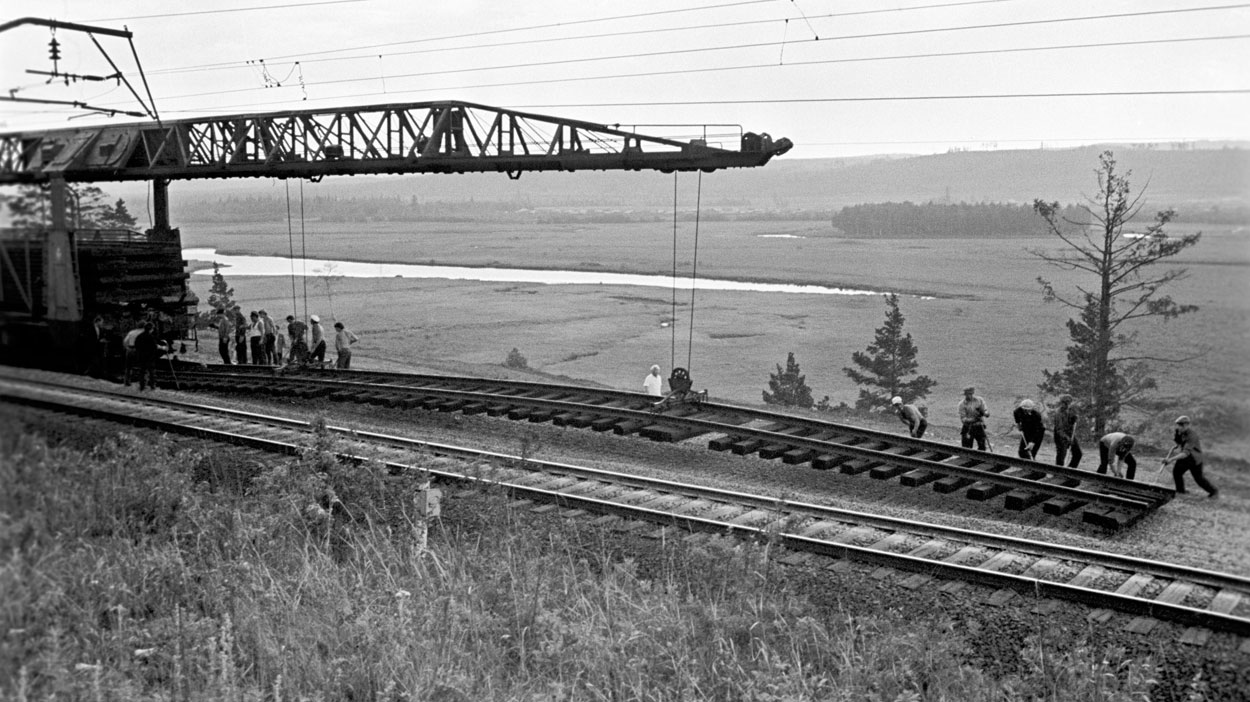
(673, 52)
(844, 37)
(551, 40)
(163, 15)
(642, 74)
(898, 98)
(496, 31)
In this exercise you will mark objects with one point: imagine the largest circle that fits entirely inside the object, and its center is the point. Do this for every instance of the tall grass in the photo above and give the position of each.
(134, 571)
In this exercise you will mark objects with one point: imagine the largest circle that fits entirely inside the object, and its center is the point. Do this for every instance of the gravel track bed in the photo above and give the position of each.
(1187, 531)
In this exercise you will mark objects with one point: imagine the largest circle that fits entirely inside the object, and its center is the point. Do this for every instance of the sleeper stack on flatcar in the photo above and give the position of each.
(118, 275)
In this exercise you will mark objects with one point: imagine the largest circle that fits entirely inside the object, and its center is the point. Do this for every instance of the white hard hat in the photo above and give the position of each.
(1026, 404)
(896, 400)
(316, 319)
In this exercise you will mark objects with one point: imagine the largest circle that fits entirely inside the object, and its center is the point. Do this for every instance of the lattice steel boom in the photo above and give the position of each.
(427, 137)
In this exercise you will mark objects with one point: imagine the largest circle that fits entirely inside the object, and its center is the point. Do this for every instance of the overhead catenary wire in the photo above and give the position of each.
(546, 40)
(723, 68)
(224, 10)
(760, 45)
(371, 47)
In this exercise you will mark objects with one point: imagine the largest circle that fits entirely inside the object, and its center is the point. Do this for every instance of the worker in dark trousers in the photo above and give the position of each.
(1064, 427)
(1032, 428)
(225, 335)
(1188, 457)
(146, 352)
(972, 414)
(1118, 446)
(912, 416)
(240, 336)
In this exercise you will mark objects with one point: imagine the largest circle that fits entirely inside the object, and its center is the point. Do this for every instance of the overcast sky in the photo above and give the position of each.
(838, 77)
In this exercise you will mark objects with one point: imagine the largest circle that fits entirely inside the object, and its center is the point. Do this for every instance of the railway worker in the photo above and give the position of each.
(128, 349)
(225, 335)
(296, 332)
(270, 338)
(97, 348)
(256, 339)
(147, 349)
(318, 340)
(343, 340)
(653, 384)
(240, 336)
(912, 416)
(1032, 428)
(972, 414)
(279, 349)
(1188, 459)
(1063, 424)
(1119, 446)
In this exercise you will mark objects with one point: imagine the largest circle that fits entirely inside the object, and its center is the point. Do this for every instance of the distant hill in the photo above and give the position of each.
(1173, 178)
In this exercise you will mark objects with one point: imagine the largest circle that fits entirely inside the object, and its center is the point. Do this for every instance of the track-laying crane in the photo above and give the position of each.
(52, 281)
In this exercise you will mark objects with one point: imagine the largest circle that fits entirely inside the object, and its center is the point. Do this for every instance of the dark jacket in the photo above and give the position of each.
(1029, 421)
(1188, 442)
(146, 349)
(1065, 421)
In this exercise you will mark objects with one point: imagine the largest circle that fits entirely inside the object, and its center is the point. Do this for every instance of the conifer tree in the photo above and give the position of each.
(220, 296)
(1122, 291)
(116, 217)
(885, 365)
(789, 386)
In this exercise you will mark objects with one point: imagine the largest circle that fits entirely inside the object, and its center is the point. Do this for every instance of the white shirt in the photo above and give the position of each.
(653, 384)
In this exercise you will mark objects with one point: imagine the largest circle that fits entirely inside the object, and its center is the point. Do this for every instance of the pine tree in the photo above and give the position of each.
(887, 362)
(220, 296)
(789, 386)
(1117, 259)
(116, 217)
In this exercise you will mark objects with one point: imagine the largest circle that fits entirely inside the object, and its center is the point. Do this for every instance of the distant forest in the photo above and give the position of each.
(933, 220)
(886, 219)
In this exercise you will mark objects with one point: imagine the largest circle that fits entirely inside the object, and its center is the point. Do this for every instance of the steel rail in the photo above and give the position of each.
(818, 446)
(400, 380)
(1126, 603)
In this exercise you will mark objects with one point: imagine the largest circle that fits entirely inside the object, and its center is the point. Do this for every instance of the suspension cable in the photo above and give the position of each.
(290, 237)
(672, 317)
(303, 247)
(694, 270)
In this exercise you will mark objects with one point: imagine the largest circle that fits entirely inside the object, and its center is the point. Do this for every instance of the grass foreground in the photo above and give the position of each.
(134, 570)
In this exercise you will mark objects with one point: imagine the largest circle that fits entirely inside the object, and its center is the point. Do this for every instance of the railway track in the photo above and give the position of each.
(1202, 601)
(1065, 493)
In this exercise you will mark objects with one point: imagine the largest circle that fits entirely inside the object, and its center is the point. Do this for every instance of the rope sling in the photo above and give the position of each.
(694, 274)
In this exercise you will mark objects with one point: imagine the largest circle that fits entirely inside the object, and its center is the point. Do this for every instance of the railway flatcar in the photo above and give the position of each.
(54, 284)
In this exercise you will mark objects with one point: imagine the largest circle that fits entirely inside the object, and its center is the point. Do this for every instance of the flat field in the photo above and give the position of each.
(973, 307)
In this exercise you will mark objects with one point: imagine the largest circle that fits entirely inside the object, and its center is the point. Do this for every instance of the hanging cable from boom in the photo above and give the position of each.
(303, 247)
(290, 237)
(694, 270)
(672, 317)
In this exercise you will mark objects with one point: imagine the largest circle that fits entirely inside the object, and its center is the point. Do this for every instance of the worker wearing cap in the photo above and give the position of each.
(972, 414)
(318, 341)
(1189, 458)
(912, 416)
(1119, 446)
(1064, 428)
(1032, 428)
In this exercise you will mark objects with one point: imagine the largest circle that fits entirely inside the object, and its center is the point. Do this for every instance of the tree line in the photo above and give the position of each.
(1104, 372)
(87, 207)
